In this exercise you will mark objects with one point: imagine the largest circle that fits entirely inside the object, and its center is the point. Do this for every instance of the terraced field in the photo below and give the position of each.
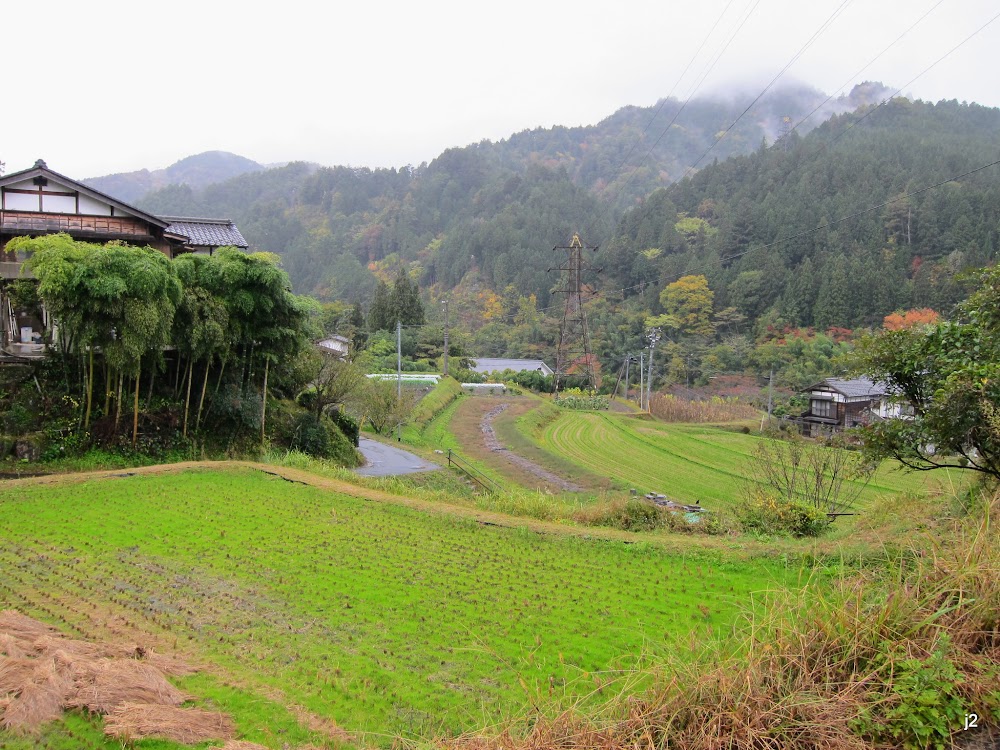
(690, 463)
(385, 620)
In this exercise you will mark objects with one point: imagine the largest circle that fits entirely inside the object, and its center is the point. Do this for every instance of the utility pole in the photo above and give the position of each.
(642, 387)
(770, 393)
(628, 362)
(399, 369)
(654, 336)
(445, 368)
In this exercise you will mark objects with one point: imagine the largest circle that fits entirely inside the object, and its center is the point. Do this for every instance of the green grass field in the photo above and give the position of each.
(690, 463)
(389, 621)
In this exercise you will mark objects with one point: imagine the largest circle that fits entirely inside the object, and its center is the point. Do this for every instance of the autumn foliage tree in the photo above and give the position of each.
(900, 320)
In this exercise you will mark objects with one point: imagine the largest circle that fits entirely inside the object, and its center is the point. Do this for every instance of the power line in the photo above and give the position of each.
(867, 65)
(871, 111)
(826, 24)
(664, 101)
(705, 74)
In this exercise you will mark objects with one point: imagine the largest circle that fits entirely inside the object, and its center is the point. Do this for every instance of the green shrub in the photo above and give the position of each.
(763, 513)
(628, 514)
(574, 398)
(925, 706)
(321, 438)
(347, 425)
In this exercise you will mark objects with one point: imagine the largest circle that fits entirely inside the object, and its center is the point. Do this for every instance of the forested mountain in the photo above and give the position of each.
(732, 221)
(798, 241)
(197, 171)
(491, 208)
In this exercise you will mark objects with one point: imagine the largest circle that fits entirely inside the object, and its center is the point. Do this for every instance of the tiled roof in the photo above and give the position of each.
(206, 232)
(853, 388)
(484, 364)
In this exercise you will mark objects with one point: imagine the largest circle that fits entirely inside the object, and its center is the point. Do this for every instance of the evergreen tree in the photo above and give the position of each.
(405, 300)
(835, 303)
(381, 316)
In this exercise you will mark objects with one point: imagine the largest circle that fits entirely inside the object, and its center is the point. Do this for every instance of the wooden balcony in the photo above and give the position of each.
(14, 223)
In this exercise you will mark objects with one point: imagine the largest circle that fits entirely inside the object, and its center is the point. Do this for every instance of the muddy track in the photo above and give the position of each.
(493, 443)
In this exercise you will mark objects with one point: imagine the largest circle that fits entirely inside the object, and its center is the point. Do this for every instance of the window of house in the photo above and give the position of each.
(821, 408)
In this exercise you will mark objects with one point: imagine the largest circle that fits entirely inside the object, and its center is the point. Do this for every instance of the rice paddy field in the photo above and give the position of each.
(324, 618)
(691, 463)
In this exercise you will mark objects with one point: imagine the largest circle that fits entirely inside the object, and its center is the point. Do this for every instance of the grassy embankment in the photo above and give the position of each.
(386, 620)
(704, 464)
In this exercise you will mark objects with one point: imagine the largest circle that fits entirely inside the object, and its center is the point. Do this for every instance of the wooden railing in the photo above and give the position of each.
(14, 222)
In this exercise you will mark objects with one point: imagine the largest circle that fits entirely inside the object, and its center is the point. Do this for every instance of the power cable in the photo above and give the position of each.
(871, 111)
(826, 24)
(871, 62)
(739, 26)
(665, 99)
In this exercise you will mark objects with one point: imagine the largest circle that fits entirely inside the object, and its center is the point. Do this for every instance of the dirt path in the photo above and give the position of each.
(493, 443)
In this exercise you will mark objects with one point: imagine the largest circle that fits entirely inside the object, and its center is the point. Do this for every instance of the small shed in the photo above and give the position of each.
(337, 345)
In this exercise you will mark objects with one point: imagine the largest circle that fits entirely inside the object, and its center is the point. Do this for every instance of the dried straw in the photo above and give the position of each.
(11, 646)
(15, 674)
(22, 627)
(136, 721)
(110, 682)
(242, 745)
(40, 699)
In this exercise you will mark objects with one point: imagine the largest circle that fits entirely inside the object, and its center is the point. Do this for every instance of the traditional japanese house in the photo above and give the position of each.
(39, 201)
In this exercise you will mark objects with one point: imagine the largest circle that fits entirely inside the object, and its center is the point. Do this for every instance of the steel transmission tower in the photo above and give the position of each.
(573, 352)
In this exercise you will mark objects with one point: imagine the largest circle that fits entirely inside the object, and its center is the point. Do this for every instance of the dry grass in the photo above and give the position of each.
(672, 409)
(107, 683)
(43, 673)
(877, 658)
(137, 721)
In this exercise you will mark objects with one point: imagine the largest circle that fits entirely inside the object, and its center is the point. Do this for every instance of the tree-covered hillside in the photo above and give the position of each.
(748, 222)
(490, 208)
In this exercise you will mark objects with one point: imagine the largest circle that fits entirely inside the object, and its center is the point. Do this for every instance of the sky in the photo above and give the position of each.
(103, 87)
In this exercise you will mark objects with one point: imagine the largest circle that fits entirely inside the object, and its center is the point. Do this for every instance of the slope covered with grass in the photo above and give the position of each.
(384, 619)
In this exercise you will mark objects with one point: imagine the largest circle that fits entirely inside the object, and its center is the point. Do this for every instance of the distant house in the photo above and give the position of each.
(337, 345)
(838, 403)
(485, 365)
(38, 201)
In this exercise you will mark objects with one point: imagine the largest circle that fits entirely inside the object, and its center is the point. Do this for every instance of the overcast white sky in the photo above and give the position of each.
(101, 87)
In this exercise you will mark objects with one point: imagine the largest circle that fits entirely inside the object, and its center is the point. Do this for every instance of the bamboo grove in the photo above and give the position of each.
(128, 319)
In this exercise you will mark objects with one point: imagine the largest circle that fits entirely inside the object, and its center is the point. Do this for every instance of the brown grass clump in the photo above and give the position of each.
(136, 721)
(242, 745)
(40, 699)
(11, 647)
(110, 682)
(672, 409)
(42, 673)
(15, 673)
(21, 627)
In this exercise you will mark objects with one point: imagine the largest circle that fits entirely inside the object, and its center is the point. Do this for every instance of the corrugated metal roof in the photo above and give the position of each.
(207, 232)
(486, 364)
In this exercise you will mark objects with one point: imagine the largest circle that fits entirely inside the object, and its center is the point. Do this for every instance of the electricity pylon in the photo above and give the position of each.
(573, 352)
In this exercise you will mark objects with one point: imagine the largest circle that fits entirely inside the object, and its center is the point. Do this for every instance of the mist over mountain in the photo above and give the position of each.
(197, 171)
(489, 205)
